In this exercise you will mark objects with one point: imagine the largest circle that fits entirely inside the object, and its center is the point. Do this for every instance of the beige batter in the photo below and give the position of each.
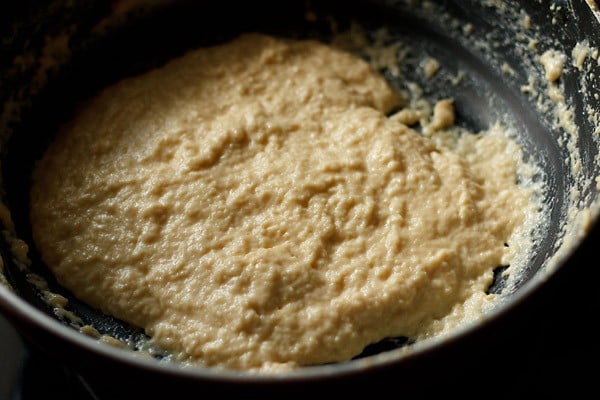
(251, 206)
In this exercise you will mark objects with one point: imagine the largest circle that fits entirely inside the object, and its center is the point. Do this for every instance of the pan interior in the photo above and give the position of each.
(486, 47)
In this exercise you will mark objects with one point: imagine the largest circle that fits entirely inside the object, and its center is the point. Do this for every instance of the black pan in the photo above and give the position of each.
(480, 38)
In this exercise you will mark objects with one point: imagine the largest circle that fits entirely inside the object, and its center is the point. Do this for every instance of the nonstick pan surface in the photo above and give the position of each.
(474, 39)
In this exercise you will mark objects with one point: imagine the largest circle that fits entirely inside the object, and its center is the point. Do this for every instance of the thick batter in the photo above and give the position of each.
(251, 206)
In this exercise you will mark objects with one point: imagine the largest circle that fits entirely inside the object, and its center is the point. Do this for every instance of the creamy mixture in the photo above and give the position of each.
(254, 206)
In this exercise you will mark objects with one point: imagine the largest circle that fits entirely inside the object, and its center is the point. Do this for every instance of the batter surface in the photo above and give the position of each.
(251, 206)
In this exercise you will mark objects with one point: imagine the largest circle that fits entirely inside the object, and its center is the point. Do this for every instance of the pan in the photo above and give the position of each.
(55, 54)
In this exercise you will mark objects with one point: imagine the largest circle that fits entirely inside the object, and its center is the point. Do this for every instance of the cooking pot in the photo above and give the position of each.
(57, 53)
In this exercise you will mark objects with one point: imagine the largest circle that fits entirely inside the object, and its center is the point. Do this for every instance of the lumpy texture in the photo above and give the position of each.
(252, 207)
